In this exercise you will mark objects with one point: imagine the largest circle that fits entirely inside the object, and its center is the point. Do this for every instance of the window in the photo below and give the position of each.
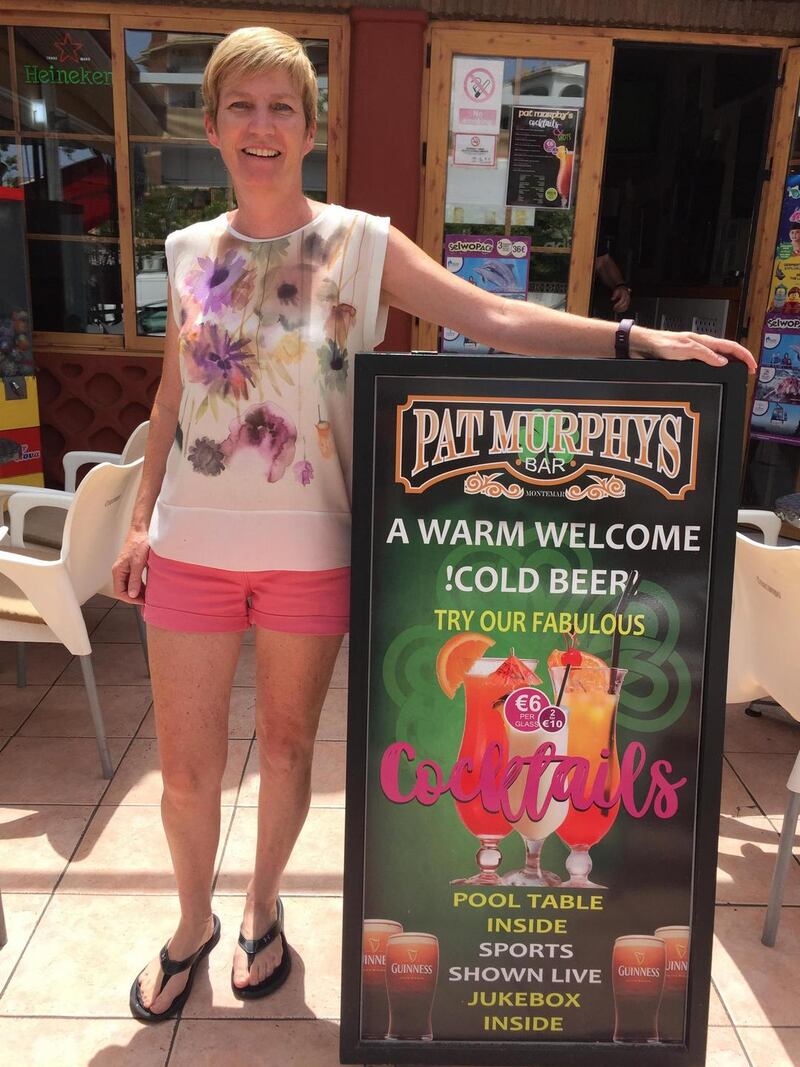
(101, 196)
(58, 144)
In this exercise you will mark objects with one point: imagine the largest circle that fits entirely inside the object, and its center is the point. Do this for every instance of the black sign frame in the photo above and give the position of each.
(371, 459)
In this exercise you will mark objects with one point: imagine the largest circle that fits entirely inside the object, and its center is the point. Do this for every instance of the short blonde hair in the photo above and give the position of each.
(253, 50)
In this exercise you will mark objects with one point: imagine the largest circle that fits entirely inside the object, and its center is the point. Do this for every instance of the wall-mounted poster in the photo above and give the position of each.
(541, 157)
(498, 264)
(776, 399)
(541, 608)
(477, 95)
(783, 312)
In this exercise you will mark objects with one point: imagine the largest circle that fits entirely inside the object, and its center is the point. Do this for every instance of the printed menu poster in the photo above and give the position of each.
(498, 264)
(541, 157)
(533, 655)
(776, 400)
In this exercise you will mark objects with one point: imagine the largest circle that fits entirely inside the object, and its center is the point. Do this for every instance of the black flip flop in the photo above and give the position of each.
(171, 968)
(252, 947)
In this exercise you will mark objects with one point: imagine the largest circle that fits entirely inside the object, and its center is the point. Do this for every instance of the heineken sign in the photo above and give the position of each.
(67, 66)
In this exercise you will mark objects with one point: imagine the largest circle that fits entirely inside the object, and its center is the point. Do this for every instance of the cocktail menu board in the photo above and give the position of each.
(542, 566)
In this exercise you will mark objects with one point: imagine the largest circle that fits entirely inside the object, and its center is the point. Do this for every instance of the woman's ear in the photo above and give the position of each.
(211, 132)
(311, 133)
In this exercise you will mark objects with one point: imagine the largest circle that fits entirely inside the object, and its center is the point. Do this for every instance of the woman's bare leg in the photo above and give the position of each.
(192, 676)
(293, 674)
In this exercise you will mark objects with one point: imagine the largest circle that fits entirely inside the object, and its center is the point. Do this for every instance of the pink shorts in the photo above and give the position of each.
(194, 599)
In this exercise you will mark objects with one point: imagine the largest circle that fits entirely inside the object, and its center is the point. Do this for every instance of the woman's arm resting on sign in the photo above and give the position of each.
(414, 283)
(132, 559)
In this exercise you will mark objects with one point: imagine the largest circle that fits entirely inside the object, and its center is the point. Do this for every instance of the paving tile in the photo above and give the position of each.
(748, 848)
(138, 777)
(39, 770)
(758, 985)
(724, 1049)
(228, 1043)
(769, 733)
(340, 669)
(22, 911)
(717, 1016)
(16, 705)
(100, 601)
(125, 851)
(86, 952)
(246, 667)
(765, 776)
(93, 617)
(333, 721)
(114, 664)
(315, 867)
(241, 722)
(118, 625)
(771, 1048)
(313, 929)
(37, 845)
(64, 712)
(327, 776)
(83, 1042)
(735, 799)
(45, 662)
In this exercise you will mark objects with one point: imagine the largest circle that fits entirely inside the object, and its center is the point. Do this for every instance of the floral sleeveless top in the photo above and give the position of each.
(259, 475)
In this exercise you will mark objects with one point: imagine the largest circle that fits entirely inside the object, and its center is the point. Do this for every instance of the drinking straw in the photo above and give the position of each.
(563, 684)
(630, 590)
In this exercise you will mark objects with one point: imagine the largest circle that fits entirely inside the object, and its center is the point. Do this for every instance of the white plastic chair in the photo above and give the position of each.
(45, 524)
(765, 622)
(766, 521)
(42, 590)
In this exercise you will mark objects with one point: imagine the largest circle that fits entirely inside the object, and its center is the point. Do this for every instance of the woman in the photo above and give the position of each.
(243, 513)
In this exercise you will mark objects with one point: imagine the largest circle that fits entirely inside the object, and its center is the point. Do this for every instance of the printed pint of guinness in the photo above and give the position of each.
(412, 968)
(638, 966)
(672, 1012)
(374, 1005)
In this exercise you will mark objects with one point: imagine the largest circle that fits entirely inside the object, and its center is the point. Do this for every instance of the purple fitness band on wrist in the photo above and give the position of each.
(622, 347)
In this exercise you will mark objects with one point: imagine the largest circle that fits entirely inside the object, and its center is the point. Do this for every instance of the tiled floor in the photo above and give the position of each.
(87, 888)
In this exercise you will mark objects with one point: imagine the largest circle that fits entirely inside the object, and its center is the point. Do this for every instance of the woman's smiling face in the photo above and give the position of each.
(260, 130)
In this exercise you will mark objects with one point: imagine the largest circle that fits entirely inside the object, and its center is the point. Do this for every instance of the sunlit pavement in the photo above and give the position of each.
(88, 897)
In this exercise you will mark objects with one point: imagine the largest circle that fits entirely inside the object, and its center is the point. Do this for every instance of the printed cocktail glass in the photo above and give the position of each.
(535, 831)
(566, 160)
(590, 696)
(485, 690)
(374, 1004)
(412, 969)
(637, 975)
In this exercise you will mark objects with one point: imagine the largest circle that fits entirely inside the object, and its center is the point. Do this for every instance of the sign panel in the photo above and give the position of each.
(541, 607)
(477, 95)
(776, 399)
(498, 264)
(541, 156)
(474, 150)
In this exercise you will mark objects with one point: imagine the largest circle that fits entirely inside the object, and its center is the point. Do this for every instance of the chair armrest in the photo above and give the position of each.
(47, 585)
(73, 461)
(21, 503)
(765, 521)
(8, 489)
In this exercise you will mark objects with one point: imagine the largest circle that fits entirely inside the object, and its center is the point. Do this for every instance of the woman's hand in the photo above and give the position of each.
(128, 567)
(662, 344)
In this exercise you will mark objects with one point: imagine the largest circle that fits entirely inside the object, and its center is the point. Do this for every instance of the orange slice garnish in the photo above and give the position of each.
(587, 659)
(455, 658)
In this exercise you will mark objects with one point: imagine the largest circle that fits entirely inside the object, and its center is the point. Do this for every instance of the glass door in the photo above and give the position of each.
(514, 159)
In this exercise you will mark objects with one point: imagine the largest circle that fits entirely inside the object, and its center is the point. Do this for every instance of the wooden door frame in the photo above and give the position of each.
(446, 39)
(487, 39)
